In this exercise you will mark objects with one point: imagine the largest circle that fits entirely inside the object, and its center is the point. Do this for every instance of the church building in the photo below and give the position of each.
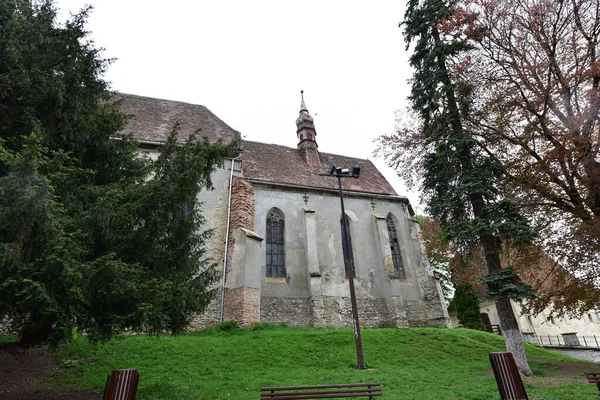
(277, 238)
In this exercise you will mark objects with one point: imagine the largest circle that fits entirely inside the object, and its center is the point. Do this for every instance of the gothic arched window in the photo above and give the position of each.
(395, 247)
(347, 252)
(275, 243)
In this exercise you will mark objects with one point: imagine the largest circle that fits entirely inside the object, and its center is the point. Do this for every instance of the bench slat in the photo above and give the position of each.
(594, 378)
(507, 376)
(349, 385)
(325, 396)
(321, 391)
(367, 391)
(121, 384)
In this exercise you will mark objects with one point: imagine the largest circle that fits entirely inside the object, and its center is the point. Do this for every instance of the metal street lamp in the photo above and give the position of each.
(348, 257)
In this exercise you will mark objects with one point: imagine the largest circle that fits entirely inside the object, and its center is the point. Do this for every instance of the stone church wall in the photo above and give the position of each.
(315, 290)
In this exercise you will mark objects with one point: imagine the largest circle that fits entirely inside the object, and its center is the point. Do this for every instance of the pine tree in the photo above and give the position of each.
(466, 302)
(459, 180)
(91, 235)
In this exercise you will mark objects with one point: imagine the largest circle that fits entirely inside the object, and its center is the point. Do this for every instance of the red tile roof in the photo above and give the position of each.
(151, 120)
(273, 163)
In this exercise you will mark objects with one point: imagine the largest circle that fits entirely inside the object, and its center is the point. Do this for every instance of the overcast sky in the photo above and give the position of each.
(248, 60)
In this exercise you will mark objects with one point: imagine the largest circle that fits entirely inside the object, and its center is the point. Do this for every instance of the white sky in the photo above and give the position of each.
(248, 60)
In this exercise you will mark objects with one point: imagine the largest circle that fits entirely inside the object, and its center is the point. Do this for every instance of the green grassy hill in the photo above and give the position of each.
(418, 363)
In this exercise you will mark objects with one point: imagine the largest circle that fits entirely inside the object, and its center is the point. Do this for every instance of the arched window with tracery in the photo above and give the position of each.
(275, 243)
(347, 252)
(395, 247)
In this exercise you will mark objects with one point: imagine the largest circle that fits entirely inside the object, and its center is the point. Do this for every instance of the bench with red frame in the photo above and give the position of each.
(121, 384)
(507, 376)
(322, 391)
(594, 377)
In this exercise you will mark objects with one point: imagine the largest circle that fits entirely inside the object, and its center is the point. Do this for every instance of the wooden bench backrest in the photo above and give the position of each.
(321, 391)
(594, 377)
(507, 376)
(121, 384)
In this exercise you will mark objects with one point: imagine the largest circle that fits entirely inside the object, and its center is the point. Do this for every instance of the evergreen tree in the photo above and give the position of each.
(91, 235)
(466, 302)
(459, 181)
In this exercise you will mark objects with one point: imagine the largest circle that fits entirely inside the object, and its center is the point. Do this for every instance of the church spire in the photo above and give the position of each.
(305, 124)
(302, 104)
(307, 135)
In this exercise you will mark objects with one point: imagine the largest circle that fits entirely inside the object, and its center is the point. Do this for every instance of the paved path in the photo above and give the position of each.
(590, 355)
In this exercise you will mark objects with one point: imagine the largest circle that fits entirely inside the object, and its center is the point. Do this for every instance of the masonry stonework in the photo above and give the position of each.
(243, 305)
(242, 212)
(393, 287)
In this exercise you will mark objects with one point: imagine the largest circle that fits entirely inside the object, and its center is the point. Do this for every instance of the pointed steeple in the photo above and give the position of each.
(307, 135)
(302, 104)
(305, 124)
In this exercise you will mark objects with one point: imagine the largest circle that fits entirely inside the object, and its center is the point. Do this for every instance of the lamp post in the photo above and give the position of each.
(348, 257)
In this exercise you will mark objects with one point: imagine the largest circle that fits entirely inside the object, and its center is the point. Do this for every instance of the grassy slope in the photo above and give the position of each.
(418, 363)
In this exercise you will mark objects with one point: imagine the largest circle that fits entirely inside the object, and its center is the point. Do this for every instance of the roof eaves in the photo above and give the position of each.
(322, 189)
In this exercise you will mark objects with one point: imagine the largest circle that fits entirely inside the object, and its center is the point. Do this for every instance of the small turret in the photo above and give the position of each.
(307, 135)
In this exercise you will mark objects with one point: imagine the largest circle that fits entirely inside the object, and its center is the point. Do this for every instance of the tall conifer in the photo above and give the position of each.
(92, 236)
(460, 182)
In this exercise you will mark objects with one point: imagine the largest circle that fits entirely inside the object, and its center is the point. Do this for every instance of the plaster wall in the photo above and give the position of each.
(315, 288)
(545, 324)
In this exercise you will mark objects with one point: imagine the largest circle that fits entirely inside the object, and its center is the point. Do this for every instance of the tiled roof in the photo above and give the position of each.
(272, 163)
(152, 119)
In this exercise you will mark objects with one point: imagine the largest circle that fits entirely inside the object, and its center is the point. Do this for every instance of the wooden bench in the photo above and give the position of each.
(121, 384)
(321, 391)
(508, 377)
(594, 377)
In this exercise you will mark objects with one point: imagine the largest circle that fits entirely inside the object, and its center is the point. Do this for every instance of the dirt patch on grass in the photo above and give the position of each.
(23, 371)
(552, 373)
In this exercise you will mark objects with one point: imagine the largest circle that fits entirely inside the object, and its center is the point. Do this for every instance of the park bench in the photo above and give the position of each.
(507, 376)
(594, 377)
(121, 384)
(322, 391)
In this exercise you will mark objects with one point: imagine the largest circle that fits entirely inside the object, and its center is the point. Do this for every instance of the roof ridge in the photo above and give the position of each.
(295, 149)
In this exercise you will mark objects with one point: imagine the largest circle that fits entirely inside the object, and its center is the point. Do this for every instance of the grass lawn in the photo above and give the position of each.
(417, 363)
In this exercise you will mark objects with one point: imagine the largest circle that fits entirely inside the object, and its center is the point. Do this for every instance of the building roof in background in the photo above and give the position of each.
(151, 120)
(273, 163)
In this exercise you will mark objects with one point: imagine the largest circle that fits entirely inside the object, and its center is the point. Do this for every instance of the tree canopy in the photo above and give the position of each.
(92, 236)
(527, 73)
(460, 181)
(535, 69)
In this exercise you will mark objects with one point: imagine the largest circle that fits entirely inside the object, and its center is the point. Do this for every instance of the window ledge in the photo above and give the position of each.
(275, 279)
(395, 276)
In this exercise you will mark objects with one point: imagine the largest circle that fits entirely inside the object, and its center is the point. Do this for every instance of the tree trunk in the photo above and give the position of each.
(32, 335)
(512, 335)
(508, 322)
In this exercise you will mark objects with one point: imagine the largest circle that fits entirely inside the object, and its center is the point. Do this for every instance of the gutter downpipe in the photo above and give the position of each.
(224, 277)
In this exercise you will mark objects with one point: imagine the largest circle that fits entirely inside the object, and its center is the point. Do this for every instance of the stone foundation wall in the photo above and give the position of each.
(210, 316)
(329, 311)
(292, 311)
(422, 313)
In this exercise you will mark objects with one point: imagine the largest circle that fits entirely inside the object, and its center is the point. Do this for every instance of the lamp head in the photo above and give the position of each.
(331, 169)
